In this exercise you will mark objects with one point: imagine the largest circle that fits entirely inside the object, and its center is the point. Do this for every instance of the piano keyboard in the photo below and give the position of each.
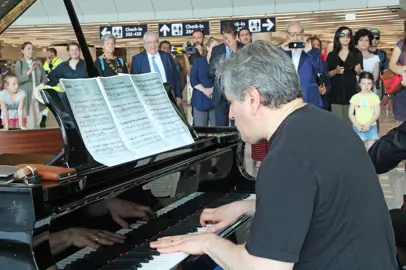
(181, 217)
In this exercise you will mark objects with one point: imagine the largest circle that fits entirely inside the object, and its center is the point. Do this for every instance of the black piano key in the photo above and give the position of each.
(127, 259)
(143, 252)
(125, 266)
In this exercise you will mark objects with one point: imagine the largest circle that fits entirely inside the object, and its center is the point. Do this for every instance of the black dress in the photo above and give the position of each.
(344, 86)
(110, 67)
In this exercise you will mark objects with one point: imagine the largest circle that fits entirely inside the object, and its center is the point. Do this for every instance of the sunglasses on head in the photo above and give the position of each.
(342, 35)
(377, 37)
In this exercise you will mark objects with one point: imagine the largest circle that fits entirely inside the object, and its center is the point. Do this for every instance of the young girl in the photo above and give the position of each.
(12, 103)
(366, 105)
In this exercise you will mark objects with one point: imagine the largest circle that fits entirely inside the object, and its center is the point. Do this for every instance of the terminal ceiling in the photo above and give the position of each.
(46, 22)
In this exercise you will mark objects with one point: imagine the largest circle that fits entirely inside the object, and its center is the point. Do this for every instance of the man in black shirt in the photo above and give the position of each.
(319, 204)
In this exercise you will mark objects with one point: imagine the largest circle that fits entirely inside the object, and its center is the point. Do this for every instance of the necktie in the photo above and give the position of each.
(228, 51)
(155, 66)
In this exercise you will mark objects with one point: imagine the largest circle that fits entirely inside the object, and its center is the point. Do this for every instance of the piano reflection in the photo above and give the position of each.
(105, 217)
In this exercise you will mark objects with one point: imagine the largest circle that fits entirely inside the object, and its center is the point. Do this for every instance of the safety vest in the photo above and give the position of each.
(48, 67)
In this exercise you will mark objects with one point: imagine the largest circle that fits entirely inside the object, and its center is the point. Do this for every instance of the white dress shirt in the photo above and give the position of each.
(296, 58)
(159, 63)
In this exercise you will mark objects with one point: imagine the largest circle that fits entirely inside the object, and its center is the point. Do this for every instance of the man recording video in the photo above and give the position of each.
(193, 49)
(307, 61)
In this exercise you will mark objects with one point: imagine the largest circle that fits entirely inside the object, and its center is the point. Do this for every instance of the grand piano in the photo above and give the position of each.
(177, 185)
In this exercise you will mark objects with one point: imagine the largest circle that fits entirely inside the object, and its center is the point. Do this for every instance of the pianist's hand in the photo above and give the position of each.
(82, 237)
(224, 216)
(194, 244)
(121, 210)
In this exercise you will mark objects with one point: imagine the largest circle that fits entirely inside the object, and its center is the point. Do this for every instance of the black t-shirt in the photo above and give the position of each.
(319, 201)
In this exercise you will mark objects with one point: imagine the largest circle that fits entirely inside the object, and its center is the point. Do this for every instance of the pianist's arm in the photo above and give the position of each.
(284, 207)
(389, 150)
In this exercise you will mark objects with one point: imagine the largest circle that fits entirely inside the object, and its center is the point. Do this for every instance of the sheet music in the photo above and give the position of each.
(164, 186)
(153, 94)
(99, 133)
(137, 129)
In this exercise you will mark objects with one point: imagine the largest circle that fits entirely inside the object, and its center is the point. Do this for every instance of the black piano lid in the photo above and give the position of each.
(11, 10)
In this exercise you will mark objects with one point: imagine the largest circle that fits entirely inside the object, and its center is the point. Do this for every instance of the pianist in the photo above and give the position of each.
(319, 202)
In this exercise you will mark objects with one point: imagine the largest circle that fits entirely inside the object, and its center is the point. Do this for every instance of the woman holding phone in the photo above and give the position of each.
(31, 74)
(344, 63)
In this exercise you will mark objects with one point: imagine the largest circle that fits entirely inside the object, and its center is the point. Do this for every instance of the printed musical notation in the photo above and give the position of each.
(133, 122)
(153, 94)
(96, 126)
(125, 117)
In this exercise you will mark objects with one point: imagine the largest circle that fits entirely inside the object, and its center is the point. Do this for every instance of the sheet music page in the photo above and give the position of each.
(96, 126)
(153, 94)
(164, 186)
(139, 133)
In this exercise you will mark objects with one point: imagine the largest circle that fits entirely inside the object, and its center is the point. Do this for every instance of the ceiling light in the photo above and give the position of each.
(350, 16)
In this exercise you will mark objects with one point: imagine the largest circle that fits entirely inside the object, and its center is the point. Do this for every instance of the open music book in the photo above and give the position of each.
(125, 117)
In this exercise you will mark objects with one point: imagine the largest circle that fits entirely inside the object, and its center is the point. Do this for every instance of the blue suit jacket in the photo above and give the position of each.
(140, 65)
(310, 65)
(218, 52)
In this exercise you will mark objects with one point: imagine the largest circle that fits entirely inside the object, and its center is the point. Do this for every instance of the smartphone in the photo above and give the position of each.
(296, 45)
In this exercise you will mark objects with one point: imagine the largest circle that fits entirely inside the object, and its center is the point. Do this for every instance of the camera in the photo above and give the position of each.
(296, 45)
(190, 48)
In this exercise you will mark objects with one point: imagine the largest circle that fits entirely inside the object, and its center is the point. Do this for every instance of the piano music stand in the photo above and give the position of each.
(74, 152)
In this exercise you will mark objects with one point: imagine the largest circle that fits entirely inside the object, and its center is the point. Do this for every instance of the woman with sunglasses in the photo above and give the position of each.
(344, 63)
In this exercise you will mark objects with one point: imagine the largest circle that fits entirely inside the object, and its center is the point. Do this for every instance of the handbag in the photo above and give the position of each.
(392, 81)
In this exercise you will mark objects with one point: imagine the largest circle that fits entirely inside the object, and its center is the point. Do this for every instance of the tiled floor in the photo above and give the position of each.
(393, 183)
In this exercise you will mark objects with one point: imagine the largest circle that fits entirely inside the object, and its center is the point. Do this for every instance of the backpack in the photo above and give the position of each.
(102, 62)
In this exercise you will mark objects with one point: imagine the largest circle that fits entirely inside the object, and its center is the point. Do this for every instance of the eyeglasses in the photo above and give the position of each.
(377, 37)
(295, 34)
(343, 35)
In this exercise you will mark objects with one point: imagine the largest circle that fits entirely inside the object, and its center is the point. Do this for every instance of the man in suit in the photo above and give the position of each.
(307, 62)
(154, 60)
(229, 47)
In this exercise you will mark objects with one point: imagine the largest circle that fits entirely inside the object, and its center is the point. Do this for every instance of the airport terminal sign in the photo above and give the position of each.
(256, 25)
(124, 31)
(183, 29)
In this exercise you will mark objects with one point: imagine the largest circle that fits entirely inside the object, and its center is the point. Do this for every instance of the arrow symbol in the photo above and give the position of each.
(269, 24)
(105, 31)
(165, 29)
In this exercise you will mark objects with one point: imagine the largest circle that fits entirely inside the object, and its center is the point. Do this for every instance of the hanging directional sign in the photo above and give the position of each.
(256, 25)
(183, 29)
(124, 31)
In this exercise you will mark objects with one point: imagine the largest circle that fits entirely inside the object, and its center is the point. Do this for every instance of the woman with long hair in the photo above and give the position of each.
(397, 64)
(31, 74)
(203, 110)
(344, 63)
